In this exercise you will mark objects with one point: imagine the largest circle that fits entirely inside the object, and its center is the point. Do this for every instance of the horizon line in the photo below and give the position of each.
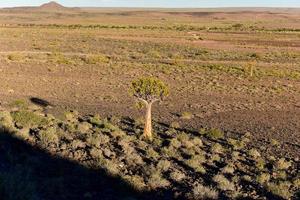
(162, 7)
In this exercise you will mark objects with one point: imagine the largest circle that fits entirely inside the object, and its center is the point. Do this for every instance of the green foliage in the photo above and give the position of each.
(49, 136)
(6, 120)
(19, 103)
(223, 183)
(215, 133)
(149, 89)
(26, 118)
(283, 164)
(263, 178)
(202, 192)
(60, 58)
(186, 115)
(96, 59)
(15, 57)
(281, 189)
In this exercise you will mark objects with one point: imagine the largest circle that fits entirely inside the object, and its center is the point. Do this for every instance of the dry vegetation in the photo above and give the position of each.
(229, 129)
(178, 163)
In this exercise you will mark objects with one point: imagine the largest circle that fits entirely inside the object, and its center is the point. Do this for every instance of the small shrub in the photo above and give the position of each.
(254, 153)
(280, 175)
(263, 178)
(24, 134)
(235, 155)
(175, 125)
(49, 136)
(156, 180)
(223, 183)
(274, 142)
(175, 143)
(96, 153)
(197, 142)
(282, 164)
(77, 144)
(117, 133)
(137, 182)
(96, 140)
(228, 169)
(195, 162)
(177, 175)
(6, 120)
(281, 189)
(247, 178)
(217, 148)
(203, 192)
(260, 164)
(170, 151)
(28, 119)
(15, 57)
(95, 120)
(186, 115)
(111, 168)
(152, 153)
(163, 165)
(236, 144)
(84, 127)
(134, 159)
(71, 116)
(296, 183)
(215, 134)
(215, 157)
(96, 59)
(19, 103)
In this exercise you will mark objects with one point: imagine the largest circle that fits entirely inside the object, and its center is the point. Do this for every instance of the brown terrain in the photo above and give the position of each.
(206, 68)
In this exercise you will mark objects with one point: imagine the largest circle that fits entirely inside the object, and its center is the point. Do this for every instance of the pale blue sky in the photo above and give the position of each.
(158, 3)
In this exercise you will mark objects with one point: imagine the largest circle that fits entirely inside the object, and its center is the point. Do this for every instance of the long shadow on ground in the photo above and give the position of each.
(29, 173)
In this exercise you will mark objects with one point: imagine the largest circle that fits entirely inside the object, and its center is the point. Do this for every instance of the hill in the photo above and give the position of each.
(52, 6)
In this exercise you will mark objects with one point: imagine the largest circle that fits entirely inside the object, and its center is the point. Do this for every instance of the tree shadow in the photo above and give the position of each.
(40, 102)
(28, 173)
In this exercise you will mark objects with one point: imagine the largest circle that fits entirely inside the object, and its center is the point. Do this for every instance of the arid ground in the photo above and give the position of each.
(232, 71)
(86, 59)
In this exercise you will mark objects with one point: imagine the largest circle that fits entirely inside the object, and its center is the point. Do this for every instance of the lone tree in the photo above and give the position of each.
(148, 90)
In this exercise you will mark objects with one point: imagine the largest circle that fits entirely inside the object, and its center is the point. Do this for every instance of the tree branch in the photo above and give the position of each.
(143, 100)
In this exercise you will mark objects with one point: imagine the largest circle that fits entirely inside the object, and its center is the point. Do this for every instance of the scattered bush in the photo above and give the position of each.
(186, 115)
(223, 183)
(215, 133)
(6, 120)
(263, 178)
(177, 176)
(281, 189)
(28, 119)
(195, 162)
(202, 192)
(156, 180)
(282, 164)
(49, 136)
(254, 153)
(217, 148)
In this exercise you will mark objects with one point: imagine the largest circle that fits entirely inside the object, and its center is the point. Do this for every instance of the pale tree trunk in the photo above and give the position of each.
(148, 122)
(251, 70)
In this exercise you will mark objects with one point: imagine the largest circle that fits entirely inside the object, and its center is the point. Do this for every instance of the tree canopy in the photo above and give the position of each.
(149, 89)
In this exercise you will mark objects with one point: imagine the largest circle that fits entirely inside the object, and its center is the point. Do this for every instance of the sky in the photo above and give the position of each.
(158, 3)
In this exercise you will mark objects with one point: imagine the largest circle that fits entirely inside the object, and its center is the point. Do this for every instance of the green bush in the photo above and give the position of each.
(28, 119)
(215, 133)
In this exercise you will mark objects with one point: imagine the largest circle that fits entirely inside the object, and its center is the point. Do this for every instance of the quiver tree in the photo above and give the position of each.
(148, 90)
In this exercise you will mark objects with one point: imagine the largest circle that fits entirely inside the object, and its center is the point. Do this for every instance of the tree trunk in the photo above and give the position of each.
(251, 70)
(148, 122)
